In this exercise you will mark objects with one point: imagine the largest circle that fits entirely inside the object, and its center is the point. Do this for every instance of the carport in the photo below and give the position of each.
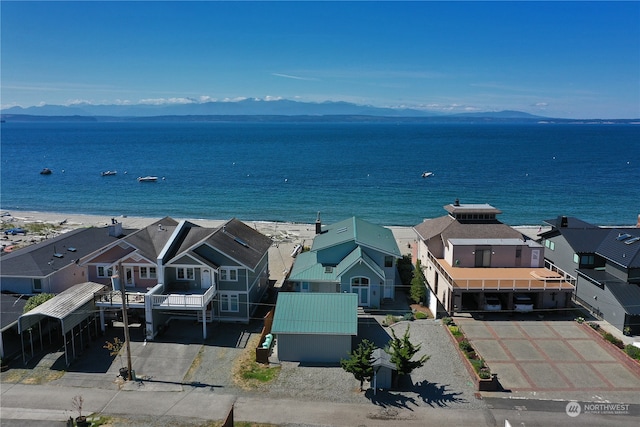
(75, 311)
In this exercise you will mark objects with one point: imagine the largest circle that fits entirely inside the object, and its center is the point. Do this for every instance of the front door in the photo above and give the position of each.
(128, 276)
(206, 279)
(360, 286)
(388, 289)
(363, 295)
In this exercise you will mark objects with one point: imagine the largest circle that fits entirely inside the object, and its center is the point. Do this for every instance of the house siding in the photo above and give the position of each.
(602, 301)
(313, 348)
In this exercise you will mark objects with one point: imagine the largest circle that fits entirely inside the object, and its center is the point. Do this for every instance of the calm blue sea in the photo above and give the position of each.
(290, 171)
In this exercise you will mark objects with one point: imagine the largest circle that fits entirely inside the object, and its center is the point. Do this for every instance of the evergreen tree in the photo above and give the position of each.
(402, 351)
(359, 362)
(418, 289)
(35, 301)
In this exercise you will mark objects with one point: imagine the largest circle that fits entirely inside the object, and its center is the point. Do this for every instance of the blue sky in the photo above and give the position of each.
(559, 59)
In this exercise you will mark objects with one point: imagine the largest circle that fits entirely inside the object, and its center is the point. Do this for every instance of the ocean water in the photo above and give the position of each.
(292, 171)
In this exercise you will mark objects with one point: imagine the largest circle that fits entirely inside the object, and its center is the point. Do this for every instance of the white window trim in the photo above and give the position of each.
(226, 302)
(147, 270)
(105, 274)
(185, 272)
(225, 274)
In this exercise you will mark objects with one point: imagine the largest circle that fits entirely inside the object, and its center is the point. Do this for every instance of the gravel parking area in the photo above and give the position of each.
(442, 382)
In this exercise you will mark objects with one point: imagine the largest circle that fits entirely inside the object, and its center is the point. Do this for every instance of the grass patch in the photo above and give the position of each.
(41, 228)
(188, 377)
(420, 315)
(247, 373)
(31, 376)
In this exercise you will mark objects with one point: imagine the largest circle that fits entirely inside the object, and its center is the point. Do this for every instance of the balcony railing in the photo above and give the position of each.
(516, 284)
(191, 301)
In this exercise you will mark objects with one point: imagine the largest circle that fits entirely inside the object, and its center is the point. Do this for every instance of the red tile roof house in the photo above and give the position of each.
(176, 269)
(468, 255)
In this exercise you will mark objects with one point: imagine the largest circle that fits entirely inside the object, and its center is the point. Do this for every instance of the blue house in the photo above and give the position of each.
(352, 255)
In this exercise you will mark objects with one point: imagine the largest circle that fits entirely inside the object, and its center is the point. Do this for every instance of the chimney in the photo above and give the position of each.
(638, 223)
(457, 202)
(115, 230)
(564, 222)
(318, 224)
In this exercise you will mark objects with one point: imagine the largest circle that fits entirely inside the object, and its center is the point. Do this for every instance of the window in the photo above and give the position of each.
(360, 281)
(37, 285)
(184, 273)
(229, 274)
(576, 258)
(587, 260)
(546, 243)
(388, 261)
(552, 246)
(229, 302)
(148, 272)
(104, 271)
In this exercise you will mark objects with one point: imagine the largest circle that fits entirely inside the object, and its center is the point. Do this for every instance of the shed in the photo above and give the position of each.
(315, 327)
(383, 369)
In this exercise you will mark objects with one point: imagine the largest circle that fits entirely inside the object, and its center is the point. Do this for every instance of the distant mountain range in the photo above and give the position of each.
(255, 109)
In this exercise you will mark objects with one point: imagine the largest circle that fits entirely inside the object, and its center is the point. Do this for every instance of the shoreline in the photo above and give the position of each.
(280, 232)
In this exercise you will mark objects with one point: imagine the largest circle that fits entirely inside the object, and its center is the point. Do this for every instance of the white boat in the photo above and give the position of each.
(147, 178)
(108, 173)
(427, 174)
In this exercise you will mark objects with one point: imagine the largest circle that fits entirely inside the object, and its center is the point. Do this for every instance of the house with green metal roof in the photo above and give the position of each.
(353, 256)
(315, 327)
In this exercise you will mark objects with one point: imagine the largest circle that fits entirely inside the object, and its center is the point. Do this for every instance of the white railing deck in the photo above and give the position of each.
(192, 301)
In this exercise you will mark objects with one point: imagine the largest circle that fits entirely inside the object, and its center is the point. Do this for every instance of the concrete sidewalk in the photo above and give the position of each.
(50, 403)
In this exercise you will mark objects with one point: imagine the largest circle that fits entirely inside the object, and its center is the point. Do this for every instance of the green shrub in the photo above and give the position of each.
(594, 326)
(613, 340)
(455, 331)
(36, 300)
(465, 346)
(477, 364)
(420, 315)
(447, 321)
(408, 316)
(632, 351)
(484, 373)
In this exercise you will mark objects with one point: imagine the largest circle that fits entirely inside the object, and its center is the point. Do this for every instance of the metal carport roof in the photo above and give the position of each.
(67, 306)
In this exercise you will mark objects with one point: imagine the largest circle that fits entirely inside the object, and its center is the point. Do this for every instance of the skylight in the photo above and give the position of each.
(622, 237)
(630, 241)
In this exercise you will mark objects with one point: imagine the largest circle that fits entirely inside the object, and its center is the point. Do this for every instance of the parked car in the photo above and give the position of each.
(492, 304)
(14, 231)
(522, 303)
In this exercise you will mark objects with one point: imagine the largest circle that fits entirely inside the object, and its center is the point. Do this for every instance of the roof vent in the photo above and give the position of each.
(242, 242)
(341, 230)
(328, 269)
(71, 249)
(58, 255)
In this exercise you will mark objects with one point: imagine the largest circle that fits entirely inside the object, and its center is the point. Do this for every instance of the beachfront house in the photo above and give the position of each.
(53, 265)
(474, 263)
(353, 256)
(604, 263)
(176, 269)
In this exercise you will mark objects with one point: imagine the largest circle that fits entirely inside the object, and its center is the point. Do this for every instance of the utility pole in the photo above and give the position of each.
(125, 319)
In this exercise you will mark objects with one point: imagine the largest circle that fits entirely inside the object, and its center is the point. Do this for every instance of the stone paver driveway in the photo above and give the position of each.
(535, 355)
